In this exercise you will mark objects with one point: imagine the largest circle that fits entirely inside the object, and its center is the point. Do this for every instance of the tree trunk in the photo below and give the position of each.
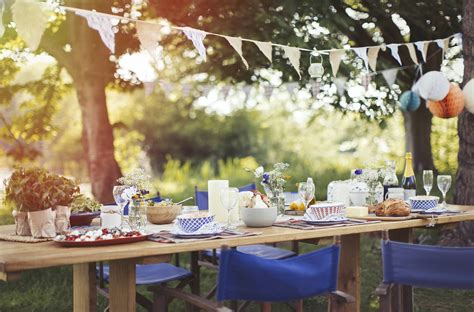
(418, 124)
(463, 234)
(90, 68)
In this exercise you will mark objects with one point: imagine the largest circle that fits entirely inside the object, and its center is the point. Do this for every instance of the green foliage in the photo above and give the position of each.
(83, 203)
(445, 145)
(62, 191)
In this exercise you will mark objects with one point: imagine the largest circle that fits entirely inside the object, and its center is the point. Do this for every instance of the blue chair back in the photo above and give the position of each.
(202, 197)
(428, 266)
(249, 277)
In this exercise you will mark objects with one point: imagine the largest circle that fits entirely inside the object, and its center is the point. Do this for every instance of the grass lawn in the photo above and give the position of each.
(51, 289)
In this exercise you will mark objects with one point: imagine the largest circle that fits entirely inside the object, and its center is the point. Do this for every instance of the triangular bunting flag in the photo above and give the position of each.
(197, 37)
(362, 53)
(103, 24)
(236, 43)
(412, 52)
(291, 86)
(422, 46)
(390, 76)
(268, 90)
(340, 83)
(266, 48)
(2, 28)
(293, 54)
(335, 58)
(149, 87)
(167, 87)
(394, 50)
(31, 18)
(372, 54)
(149, 36)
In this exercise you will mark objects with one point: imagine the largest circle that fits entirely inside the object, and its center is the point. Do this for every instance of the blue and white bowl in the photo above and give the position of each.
(423, 202)
(194, 221)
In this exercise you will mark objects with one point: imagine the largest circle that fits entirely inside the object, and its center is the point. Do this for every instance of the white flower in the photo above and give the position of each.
(128, 193)
(259, 171)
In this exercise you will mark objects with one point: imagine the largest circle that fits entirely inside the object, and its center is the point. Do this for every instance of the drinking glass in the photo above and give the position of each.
(229, 199)
(444, 183)
(306, 192)
(428, 181)
(120, 200)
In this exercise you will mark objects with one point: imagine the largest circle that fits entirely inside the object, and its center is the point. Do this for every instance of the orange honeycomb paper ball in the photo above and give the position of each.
(451, 106)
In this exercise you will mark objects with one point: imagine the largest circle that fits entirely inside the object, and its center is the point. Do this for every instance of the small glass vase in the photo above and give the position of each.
(276, 198)
(137, 215)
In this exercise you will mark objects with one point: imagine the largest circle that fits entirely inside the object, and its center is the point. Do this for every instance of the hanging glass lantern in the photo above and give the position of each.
(315, 70)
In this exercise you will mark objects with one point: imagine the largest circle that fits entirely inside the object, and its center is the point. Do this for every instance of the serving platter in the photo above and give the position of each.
(373, 217)
(101, 242)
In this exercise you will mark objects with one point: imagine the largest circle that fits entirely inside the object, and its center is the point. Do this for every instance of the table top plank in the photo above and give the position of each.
(15, 256)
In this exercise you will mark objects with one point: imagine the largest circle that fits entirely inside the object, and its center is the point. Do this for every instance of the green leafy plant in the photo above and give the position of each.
(83, 203)
(62, 190)
(29, 189)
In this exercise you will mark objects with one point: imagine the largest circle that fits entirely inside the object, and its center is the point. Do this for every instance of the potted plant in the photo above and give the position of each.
(62, 192)
(29, 191)
(83, 210)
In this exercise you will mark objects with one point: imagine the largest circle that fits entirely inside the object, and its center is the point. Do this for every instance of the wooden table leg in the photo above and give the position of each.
(349, 274)
(122, 286)
(402, 295)
(84, 291)
(196, 270)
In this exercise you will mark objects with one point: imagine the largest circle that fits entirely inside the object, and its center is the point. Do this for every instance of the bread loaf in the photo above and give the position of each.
(392, 208)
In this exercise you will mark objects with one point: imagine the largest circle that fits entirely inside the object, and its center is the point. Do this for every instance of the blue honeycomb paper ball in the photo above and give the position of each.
(409, 101)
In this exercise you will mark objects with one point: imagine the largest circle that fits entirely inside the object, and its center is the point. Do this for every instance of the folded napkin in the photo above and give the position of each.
(168, 237)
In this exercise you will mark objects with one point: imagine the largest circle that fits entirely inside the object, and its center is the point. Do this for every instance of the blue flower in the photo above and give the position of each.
(265, 177)
(358, 171)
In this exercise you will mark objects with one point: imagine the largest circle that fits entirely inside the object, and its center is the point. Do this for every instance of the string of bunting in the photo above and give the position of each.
(31, 17)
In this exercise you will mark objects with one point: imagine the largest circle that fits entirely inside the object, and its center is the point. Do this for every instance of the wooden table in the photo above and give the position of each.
(17, 257)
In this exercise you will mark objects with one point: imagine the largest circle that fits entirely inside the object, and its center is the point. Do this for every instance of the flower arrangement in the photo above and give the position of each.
(139, 183)
(372, 177)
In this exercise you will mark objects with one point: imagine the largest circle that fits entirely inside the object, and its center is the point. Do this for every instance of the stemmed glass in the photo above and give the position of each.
(120, 200)
(229, 199)
(306, 192)
(428, 181)
(444, 183)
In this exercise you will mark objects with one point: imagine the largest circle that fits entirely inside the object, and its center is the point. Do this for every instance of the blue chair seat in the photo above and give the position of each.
(151, 274)
(263, 251)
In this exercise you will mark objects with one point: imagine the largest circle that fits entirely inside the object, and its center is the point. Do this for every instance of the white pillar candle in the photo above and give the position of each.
(110, 217)
(214, 188)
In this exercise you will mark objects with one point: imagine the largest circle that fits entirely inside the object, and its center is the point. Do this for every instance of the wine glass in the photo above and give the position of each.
(428, 181)
(229, 199)
(306, 192)
(119, 199)
(444, 183)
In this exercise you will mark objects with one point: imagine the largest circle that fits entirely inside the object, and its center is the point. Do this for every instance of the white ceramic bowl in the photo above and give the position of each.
(258, 217)
(326, 209)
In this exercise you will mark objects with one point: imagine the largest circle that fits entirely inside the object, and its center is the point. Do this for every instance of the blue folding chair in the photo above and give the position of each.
(422, 266)
(244, 277)
(151, 275)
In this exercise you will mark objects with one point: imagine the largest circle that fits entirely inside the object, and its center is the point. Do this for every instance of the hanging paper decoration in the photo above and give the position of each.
(2, 28)
(149, 87)
(236, 43)
(443, 44)
(412, 52)
(167, 87)
(362, 53)
(266, 48)
(468, 91)
(422, 46)
(394, 51)
(366, 79)
(197, 37)
(291, 86)
(451, 106)
(315, 87)
(340, 83)
(335, 58)
(293, 54)
(372, 54)
(409, 101)
(268, 90)
(31, 19)
(390, 76)
(149, 36)
(433, 86)
(103, 24)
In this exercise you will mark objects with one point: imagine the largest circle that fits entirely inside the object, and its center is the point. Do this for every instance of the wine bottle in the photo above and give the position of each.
(408, 181)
